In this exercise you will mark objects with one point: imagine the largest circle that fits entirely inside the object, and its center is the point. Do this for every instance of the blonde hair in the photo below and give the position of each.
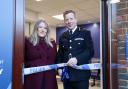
(34, 38)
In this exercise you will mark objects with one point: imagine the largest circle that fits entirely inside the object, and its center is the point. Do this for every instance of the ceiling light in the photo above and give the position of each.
(114, 1)
(88, 21)
(95, 24)
(60, 17)
(38, 0)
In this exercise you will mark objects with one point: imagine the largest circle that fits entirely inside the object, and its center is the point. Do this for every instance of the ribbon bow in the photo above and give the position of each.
(65, 75)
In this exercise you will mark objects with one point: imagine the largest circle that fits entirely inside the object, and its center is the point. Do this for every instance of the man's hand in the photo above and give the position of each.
(72, 62)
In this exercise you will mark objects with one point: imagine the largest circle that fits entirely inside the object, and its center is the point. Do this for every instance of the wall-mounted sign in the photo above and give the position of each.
(6, 43)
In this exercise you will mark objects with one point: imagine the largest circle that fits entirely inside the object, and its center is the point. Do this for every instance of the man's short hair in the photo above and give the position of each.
(69, 11)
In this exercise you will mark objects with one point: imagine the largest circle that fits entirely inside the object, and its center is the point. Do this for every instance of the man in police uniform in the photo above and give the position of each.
(75, 48)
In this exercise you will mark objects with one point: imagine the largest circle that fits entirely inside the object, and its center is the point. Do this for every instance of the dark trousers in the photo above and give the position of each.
(84, 84)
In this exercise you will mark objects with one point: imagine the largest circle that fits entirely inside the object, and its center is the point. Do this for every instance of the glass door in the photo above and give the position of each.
(118, 40)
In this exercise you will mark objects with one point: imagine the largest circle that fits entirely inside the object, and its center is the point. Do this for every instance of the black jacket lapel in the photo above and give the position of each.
(75, 33)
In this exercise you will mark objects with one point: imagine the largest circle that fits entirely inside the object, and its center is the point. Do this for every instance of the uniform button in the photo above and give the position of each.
(70, 47)
(70, 40)
(70, 55)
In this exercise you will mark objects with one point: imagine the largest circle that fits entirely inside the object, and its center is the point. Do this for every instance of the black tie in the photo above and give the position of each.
(70, 32)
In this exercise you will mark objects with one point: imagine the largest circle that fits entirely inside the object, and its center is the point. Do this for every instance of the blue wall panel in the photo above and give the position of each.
(6, 43)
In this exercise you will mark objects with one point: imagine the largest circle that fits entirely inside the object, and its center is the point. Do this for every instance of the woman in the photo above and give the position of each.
(39, 51)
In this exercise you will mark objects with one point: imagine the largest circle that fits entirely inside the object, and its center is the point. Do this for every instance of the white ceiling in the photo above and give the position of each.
(86, 10)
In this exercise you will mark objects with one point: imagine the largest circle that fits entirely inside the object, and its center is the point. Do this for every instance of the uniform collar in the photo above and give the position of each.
(73, 30)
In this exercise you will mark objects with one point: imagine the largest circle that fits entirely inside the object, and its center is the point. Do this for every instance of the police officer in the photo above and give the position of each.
(75, 48)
